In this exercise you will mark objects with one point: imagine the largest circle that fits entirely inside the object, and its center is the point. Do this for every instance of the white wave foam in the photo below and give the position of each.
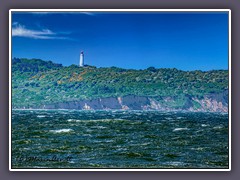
(180, 117)
(198, 149)
(95, 120)
(41, 116)
(107, 141)
(61, 131)
(99, 127)
(218, 127)
(73, 120)
(174, 163)
(204, 125)
(180, 129)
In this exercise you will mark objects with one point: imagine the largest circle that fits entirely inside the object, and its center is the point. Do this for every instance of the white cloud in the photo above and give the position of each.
(87, 13)
(21, 31)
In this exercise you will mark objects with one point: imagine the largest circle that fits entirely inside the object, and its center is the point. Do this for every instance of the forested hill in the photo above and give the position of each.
(38, 84)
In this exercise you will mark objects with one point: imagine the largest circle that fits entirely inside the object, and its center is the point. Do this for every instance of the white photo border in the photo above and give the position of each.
(118, 10)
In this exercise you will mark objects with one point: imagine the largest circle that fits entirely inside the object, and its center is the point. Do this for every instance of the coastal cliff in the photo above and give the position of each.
(211, 103)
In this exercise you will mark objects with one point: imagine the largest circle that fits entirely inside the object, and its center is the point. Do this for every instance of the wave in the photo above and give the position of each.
(218, 127)
(176, 163)
(61, 131)
(41, 116)
(180, 117)
(74, 120)
(180, 129)
(98, 127)
(95, 120)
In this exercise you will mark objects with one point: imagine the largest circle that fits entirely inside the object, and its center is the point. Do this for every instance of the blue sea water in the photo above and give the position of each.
(118, 139)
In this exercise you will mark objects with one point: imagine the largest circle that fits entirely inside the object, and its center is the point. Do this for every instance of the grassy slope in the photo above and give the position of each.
(42, 82)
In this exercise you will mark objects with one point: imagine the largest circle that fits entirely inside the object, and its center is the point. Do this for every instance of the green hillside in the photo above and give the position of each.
(36, 82)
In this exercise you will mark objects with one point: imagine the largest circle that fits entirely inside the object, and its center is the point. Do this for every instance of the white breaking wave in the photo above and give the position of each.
(174, 163)
(61, 131)
(180, 117)
(95, 120)
(99, 127)
(73, 120)
(180, 129)
(218, 127)
(41, 116)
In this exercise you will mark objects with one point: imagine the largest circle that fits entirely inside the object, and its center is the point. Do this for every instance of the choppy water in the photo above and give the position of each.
(118, 139)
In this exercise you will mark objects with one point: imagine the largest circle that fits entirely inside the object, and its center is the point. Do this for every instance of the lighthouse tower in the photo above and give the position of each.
(81, 62)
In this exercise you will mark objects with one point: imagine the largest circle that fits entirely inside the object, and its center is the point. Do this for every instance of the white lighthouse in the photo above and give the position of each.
(81, 62)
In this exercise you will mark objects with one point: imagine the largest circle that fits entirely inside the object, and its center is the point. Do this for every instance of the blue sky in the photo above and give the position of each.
(182, 40)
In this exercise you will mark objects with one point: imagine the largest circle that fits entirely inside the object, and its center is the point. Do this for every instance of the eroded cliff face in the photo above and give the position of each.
(207, 103)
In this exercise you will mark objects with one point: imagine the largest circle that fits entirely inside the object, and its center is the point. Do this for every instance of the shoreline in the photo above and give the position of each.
(92, 110)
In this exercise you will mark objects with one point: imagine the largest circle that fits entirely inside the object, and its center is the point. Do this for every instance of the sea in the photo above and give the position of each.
(86, 139)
